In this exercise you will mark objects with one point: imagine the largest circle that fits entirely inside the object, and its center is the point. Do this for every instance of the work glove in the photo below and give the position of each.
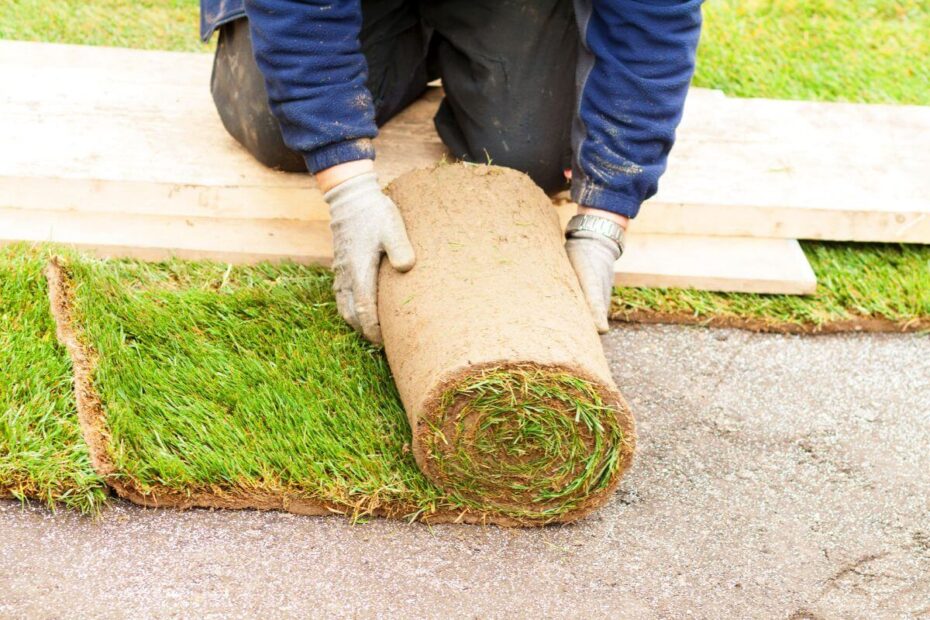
(593, 256)
(365, 225)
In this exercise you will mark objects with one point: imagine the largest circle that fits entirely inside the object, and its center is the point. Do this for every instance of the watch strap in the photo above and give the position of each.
(597, 224)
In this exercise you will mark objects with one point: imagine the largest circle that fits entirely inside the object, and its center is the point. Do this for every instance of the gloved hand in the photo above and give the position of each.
(593, 256)
(365, 225)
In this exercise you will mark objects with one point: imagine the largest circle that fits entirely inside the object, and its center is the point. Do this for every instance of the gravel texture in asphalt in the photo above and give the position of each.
(776, 477)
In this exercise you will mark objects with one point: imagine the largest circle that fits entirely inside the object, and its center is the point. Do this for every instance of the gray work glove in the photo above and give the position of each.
(593, 256)
(365, 225)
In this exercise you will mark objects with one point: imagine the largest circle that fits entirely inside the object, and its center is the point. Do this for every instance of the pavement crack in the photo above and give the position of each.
(853, 569)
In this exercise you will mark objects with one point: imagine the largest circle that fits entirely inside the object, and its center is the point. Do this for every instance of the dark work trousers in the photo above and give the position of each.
(507, 68)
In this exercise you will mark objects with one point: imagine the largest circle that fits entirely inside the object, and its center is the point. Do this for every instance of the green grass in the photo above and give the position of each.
(851, 50)
(42, 454)
(872, 51)
(524, 437)
(854, 281)
(147, 24)
(246, 379)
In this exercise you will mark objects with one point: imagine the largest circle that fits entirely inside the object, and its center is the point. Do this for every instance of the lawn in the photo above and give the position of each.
(147, 24)
(866, 51)
(870, 51)
(244, 383)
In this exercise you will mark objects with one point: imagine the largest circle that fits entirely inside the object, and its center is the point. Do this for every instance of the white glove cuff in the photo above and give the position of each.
(352, 188)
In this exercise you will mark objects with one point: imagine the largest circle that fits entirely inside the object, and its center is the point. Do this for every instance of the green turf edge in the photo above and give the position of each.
(42, 453)
(877, 287)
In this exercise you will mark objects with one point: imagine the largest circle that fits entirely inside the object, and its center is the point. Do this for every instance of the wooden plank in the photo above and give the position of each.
(115, 130)
(109, 129)
(156, 237)
(797, 169)
(713, 263)
(709, 263)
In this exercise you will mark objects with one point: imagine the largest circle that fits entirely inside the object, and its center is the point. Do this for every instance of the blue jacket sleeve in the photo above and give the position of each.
(635, 66)
(309, 54)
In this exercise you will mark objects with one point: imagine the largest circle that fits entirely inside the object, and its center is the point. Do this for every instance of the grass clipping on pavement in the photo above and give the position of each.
(205, 385)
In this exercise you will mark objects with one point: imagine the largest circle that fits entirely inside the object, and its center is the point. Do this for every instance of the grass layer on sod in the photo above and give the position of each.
(527, 436)
(870, 287)
(242, 387)
(224, 382)
(42, 453)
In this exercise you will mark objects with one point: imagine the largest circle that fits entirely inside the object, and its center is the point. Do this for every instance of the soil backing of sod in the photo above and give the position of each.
(202, 386)
(865, 324)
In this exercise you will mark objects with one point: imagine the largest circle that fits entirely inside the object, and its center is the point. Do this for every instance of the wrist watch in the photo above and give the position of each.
(596, 224)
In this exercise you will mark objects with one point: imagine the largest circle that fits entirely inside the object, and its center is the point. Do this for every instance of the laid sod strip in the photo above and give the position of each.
(203, 385)
(860, 287)
(234, 389)
(42, 453)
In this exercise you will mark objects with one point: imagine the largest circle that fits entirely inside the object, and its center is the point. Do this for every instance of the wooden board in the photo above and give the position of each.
(115, 130)
(713, 263)
(709, 263)
(141, 167)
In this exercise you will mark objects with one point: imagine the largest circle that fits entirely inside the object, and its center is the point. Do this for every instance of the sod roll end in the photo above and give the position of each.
(494, 351)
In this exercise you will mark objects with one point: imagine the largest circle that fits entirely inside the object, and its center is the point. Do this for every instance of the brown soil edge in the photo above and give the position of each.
(608, 392)
(93, 423)
(865, 324)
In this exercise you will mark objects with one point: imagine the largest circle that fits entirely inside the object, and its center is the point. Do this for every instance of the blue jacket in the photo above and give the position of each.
(634, 71)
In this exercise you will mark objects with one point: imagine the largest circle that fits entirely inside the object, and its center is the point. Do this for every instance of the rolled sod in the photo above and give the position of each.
(494, 351)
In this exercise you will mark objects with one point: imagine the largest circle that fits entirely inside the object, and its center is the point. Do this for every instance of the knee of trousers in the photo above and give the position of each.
(241, 100)
(541, 157)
